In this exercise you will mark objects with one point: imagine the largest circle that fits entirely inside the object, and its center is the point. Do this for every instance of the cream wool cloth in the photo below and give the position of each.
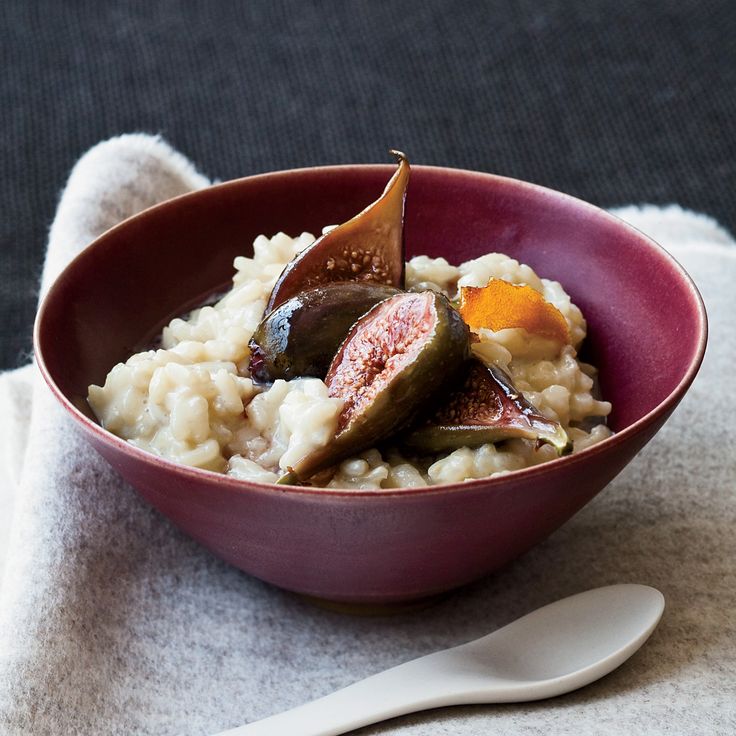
(113, 622)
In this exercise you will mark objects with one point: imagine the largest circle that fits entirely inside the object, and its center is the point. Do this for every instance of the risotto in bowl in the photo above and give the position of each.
(268, 367)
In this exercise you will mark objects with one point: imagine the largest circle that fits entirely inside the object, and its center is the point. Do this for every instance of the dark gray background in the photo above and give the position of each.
(616, 102)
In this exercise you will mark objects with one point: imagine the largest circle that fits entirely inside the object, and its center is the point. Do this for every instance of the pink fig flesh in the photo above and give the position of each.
(486, 407)
(403, 350)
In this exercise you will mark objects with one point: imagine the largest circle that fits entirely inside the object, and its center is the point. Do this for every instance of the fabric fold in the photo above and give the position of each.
(111, 621)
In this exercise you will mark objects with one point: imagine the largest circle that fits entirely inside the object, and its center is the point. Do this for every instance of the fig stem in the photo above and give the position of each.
(289, 478)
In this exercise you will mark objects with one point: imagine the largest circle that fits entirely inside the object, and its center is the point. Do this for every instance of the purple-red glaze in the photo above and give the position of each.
(647, 333)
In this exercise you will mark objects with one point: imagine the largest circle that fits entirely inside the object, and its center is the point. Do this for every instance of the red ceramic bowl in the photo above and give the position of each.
(647, 334)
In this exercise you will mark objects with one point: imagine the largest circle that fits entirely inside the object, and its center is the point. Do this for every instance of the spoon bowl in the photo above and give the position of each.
(551, 651)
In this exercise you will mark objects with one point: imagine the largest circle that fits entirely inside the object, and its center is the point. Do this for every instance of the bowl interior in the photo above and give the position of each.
(645, 323)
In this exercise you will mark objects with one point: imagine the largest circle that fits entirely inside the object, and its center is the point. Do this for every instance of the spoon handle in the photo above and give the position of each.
(407, 688)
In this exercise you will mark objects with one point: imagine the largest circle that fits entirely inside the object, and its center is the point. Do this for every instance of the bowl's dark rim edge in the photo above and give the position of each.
(666, 405)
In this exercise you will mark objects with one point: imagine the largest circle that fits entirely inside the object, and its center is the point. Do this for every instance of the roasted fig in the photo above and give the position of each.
(369, 247)
(301, 336)
(485, 408)
(402, 351)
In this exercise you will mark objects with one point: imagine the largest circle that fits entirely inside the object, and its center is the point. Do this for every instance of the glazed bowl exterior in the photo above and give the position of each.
(646, 333)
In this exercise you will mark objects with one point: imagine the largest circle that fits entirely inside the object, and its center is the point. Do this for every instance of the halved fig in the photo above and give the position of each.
(396, 356)
(301, 336)
(368, 247)
(485, 408)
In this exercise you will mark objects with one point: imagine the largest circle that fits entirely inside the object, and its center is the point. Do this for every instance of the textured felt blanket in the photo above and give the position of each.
(112, 622)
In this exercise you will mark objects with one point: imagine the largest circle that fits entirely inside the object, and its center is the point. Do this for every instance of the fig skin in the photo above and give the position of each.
(368, 248)
(485, 408)
(301, 336)
(385, 375)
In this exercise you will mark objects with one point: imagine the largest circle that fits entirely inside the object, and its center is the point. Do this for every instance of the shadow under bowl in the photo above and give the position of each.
(646, 333)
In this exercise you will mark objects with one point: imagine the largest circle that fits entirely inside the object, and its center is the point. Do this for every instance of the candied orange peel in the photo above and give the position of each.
(500, 305)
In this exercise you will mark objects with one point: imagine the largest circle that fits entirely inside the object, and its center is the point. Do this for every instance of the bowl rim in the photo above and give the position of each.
(487, 483)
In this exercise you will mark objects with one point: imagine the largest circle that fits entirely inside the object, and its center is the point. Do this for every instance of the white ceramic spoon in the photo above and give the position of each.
(551, 651)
